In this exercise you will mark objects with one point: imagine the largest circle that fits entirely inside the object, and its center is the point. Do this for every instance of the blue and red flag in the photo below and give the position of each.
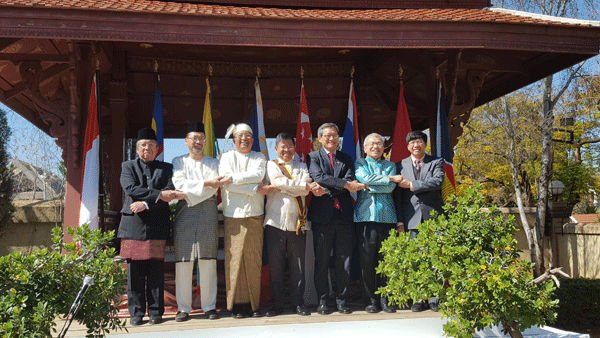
(443, 150)
(157, 119)
(401, 129)
(351, 146)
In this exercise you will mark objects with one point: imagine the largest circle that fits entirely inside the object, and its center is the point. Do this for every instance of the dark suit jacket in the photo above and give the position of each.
(144, 182)
(319, 166)
(415, 206)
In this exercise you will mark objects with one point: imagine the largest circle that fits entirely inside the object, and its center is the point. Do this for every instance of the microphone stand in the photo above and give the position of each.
(87, 282)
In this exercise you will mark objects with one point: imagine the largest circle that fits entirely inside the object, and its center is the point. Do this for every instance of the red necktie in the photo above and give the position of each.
(336, 203)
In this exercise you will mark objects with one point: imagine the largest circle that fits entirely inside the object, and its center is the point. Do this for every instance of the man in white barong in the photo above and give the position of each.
(285, 225)
(195, 176)
(243, 198)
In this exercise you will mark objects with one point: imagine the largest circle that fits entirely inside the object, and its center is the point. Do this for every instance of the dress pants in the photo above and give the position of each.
(370, 236)
(145, 283)
(207, 282)
(283, 244)
(339, 235)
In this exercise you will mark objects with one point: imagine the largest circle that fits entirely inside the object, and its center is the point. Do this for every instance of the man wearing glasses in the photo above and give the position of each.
(195, 176)
(419, 193)
(332, 216)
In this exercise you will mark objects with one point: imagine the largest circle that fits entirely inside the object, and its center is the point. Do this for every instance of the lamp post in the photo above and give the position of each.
(556, 188)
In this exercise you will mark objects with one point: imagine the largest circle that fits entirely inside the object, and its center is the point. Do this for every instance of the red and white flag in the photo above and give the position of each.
(304, 144)
(88, 204)
(401, 129)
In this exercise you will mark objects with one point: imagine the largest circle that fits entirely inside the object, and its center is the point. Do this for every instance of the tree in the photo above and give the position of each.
(37, 288)
(6, 207)
(468, 258)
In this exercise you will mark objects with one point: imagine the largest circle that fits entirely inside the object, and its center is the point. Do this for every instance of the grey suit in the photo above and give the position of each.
(413, 207)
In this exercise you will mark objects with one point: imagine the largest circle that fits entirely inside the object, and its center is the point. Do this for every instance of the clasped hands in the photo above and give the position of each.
(402, 181)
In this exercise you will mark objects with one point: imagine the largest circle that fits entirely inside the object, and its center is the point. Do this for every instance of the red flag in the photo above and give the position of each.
(304, 143)
(402, 128)
(88, 202)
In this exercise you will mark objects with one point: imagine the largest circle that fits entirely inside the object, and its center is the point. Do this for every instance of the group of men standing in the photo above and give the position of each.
(389, 196)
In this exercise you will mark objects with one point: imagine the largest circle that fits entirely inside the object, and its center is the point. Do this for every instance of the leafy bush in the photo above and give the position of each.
(579, 304)
(468, 258)
(39, 287)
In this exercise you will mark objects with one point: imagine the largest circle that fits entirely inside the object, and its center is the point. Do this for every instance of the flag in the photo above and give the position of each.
(257, 124)
(442, 142)
(304, 143)
(157, 119)
(212, 147)
(351, 146)
(401, 129)
(88, 203)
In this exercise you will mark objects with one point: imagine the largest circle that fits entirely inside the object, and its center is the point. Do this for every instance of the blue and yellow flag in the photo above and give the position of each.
(157, 119)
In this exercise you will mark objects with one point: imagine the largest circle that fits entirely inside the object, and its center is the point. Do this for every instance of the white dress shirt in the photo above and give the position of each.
(240, 198)
(282, 209)
(189, 176)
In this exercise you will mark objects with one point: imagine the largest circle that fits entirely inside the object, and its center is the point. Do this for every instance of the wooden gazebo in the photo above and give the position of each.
(49, 50)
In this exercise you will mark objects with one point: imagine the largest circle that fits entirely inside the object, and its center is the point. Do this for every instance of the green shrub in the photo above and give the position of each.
(39, 287)
(470, 261)
(579, 304)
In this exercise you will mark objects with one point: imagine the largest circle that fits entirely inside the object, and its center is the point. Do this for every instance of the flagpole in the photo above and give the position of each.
(100, 151)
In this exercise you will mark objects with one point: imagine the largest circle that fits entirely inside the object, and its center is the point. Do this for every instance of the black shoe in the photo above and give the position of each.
(182, 316)
(434, 307)
(256, 314)
(371, 308)
(136, 320)
(385, 307)
(419, 306)
(155, 320)
(322, 309)
(212, 314)
(274, 311)
(343, 309)
(302, 311)
(238, 315)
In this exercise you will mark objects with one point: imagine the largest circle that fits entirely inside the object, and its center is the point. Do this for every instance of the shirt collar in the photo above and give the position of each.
(286, 163)
(328, 152)
(368, 159)
(413, 159)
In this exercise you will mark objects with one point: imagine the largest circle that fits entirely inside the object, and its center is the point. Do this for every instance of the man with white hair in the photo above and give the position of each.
(374, 216)
(243, 198)
(195, 176)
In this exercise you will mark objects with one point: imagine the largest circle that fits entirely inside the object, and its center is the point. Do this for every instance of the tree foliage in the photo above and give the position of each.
(468, 258)
(6, 207)
(39, 287)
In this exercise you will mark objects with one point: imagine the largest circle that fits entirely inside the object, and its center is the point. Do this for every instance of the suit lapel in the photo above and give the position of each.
(326, 161)
(407, 169)
(338, 165)
(426, 164)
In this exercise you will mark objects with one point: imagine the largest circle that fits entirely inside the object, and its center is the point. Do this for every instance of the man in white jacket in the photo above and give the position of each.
(195, 176)
(285, 219)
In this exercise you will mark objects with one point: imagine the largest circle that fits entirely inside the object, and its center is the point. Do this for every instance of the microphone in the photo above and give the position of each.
(87, 282)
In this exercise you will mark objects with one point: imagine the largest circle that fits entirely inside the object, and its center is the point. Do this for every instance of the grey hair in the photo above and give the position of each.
(371, 135)
(283, 137)
(327, 125)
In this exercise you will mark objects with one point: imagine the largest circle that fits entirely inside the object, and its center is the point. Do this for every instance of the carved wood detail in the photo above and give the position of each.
(460, 110)
(236, 69)
(75, 105)
(52, 109)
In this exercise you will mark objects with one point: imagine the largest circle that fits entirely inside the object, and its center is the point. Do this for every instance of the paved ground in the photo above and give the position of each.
(403, 324)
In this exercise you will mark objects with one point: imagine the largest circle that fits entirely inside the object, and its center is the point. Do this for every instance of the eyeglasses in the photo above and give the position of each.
(147, 145)
(243, 135)
(331, 136)
(286, 148)
(378, 144)
(197, 139)
(413, 142)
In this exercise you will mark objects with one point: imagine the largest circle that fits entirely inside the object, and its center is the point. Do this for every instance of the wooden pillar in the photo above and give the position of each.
(80, 74)
(118, 111)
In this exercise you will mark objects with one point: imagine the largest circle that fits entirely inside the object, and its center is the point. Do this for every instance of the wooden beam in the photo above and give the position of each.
(46, 74)
(19, 57)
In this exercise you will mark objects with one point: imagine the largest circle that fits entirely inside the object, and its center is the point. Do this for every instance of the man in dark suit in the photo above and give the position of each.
(145, 227)
(332, 215)
(419, 192)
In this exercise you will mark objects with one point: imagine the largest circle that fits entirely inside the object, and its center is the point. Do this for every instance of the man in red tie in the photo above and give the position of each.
(419, 192)
(332, 215)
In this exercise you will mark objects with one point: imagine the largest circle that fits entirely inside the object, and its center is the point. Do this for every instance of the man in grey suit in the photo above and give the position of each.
(418, 193)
